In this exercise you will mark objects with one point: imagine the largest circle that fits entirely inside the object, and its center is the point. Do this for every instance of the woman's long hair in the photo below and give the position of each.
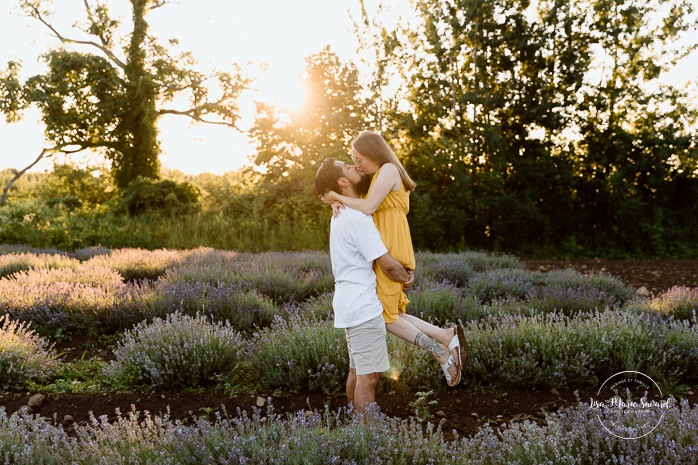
(372, 146)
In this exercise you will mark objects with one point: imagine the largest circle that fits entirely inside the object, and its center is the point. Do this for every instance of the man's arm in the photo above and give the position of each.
(393, 268)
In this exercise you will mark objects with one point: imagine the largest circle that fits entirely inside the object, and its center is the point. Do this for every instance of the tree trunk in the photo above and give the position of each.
(140, 154)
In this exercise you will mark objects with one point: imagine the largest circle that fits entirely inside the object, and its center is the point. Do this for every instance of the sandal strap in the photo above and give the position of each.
(449, 363)
(454, 342)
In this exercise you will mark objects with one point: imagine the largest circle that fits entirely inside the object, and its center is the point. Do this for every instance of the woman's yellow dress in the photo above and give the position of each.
(391, 220)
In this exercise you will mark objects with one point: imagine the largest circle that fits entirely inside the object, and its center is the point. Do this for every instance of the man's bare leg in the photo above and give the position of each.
(365, 393)
(351, 385)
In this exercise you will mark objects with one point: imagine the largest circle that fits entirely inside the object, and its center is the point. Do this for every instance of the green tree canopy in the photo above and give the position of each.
(110, 100)
(290, 146)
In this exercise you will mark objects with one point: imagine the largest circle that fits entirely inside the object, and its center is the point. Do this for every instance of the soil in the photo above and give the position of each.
(460, 410)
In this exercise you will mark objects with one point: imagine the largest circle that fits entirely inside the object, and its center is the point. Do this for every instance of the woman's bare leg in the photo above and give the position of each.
(403, 329)
(443, 335)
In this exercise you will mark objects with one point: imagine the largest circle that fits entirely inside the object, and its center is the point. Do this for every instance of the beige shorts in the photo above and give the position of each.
(368, 351)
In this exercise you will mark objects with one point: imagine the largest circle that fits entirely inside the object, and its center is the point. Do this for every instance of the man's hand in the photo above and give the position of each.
(408, 284)
(394, 269)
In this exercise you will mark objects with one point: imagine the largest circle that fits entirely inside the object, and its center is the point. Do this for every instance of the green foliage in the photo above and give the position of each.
(679, 301)
(147, 195)
(111, 104)
(79, 376)
(554, 350)
(495, 91)
(421, 405)
(24, 356)
(300, 355)
(180, 351)
(573, 437)
(14, 262)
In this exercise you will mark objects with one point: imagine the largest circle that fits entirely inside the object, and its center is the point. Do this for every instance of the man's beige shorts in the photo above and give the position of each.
(368, 351)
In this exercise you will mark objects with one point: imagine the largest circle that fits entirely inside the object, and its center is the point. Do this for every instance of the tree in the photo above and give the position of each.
(491, 87)
(635, 137)
(291, 146)
(110, 100)
(534, 124)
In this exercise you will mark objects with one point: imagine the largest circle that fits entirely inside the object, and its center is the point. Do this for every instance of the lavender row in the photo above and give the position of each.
(576, 436)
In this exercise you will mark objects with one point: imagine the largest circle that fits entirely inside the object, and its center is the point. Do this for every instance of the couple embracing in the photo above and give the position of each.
(373, 262)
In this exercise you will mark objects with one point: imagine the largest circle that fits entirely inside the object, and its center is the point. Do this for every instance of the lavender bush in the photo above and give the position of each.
(577, 437)
(440, 302)
(138, 264)
(179, 351)
(570, 292)
(553, 349)
(679, 301)
(244, 309)
(287, 276)
(32, 440)
(284, 277)
(459, 268)
(300, 355)
(574, 437)
(19, 249)
(14, 262)
(24, 356)
(86, 253)
(501, 284)
(71, 299)
(318, 307)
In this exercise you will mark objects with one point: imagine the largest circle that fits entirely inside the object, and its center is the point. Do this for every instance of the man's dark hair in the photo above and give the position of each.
(327, 176)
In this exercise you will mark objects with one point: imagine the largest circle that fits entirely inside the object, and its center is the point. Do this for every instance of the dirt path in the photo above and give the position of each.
(657, 276)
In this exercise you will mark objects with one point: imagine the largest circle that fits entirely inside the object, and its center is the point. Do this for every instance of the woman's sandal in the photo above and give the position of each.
(454, 344)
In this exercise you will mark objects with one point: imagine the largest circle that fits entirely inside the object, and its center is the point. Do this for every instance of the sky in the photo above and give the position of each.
(277, 33)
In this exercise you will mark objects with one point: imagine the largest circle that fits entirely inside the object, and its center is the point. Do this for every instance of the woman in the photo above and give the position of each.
(388, 201)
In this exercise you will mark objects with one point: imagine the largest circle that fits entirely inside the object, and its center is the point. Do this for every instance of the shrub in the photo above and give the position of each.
(438, 303)
(86, 253)
(569, 291)
(574, 437)
(24, 355)
(578, 437)
(14, 262)
(679, 301)
(180, 351)
(138, 264)
(88, 296)
(459, 268)
(245, 310)
(501, 284)
(300, 355)
(284, 277)
(31, 440)
(27, 249)
(318, 308)
(147, 195)
(553, 350)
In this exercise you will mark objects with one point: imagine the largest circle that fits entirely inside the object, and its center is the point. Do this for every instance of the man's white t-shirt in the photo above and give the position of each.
(354, 244)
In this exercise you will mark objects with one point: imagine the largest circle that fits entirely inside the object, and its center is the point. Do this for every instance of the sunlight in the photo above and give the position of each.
(393, 373)
(288, 94)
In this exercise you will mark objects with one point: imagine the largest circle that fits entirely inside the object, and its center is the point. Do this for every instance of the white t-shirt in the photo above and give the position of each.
(354, 244)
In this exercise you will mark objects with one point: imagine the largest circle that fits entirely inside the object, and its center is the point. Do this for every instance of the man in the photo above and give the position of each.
(354, 245)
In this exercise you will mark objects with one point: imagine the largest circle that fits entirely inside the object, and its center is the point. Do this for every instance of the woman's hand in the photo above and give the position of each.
(329, 198)
(408, 284)
(336, 206)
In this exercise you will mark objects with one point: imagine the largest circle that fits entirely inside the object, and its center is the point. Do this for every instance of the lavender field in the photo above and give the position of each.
(210, 320)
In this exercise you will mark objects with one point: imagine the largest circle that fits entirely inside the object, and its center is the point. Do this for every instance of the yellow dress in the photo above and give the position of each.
(391, 220)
